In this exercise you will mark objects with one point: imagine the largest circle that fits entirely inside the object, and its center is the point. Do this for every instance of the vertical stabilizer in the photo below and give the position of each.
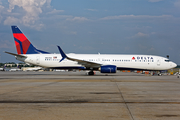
(23, 45)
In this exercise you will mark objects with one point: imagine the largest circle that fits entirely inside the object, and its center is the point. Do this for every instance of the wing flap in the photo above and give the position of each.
(85, 63)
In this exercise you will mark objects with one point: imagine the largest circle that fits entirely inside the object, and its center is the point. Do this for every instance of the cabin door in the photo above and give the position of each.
(37, 59)
(158, 62)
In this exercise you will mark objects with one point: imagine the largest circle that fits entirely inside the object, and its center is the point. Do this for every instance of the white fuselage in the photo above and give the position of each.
(143, 62)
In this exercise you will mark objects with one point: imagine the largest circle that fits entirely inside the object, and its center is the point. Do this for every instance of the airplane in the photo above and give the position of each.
(15, 69)
(105, 63)
(34, 69)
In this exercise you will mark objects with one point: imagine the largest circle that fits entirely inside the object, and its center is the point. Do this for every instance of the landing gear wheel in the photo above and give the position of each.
(91, 73)
(159, 74)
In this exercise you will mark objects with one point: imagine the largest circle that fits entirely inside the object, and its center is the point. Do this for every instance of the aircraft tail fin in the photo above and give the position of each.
(23, 45)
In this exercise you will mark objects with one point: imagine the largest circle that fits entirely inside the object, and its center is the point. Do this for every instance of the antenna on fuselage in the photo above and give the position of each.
(167, 56)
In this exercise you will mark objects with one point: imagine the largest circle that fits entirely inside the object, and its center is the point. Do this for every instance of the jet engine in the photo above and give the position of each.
(108, 69)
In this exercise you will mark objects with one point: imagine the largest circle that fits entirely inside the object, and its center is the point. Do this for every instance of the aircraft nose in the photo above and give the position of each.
(174, 65)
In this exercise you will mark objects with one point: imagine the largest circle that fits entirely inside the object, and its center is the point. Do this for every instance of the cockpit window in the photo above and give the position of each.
(167, 60)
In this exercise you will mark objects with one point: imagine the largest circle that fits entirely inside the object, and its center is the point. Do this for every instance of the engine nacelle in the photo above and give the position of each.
(108, 69)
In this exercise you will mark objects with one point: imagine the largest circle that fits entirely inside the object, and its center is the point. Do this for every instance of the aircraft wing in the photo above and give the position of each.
(85, 63)
(82, 62)
(15, 54)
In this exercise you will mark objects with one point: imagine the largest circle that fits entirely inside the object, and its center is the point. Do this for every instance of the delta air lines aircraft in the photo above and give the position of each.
(105, 63)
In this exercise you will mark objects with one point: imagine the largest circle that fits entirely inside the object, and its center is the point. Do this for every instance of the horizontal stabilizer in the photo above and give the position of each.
(18, 55)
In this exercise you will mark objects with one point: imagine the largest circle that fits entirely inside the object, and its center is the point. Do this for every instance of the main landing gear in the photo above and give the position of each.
(91, 72)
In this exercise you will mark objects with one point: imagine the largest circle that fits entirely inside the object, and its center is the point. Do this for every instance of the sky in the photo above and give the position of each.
(93, 26)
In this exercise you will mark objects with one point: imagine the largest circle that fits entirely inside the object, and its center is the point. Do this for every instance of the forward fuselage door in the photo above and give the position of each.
(158, 62)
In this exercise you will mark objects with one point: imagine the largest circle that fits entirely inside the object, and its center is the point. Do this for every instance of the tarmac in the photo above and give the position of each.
(77, 96)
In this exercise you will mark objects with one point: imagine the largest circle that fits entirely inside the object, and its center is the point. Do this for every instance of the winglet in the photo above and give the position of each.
(62, 53)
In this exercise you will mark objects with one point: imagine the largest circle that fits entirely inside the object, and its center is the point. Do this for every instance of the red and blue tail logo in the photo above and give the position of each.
(23, 45)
